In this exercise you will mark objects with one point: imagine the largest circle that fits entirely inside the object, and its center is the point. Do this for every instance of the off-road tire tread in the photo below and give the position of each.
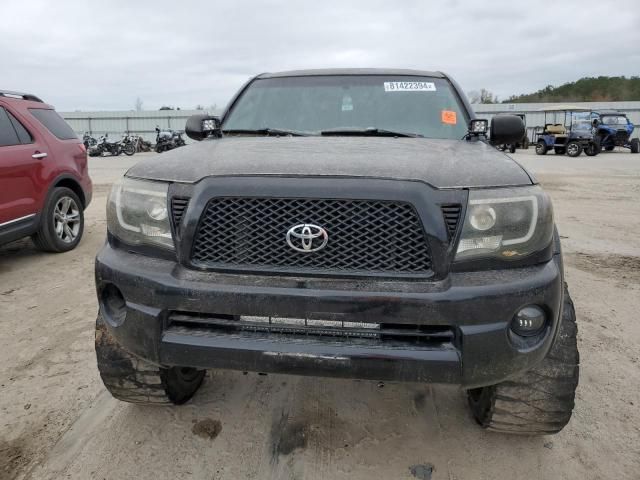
(132, 379)
(539, 401)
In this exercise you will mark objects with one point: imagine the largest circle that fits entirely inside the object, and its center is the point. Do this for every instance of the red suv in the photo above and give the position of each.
(44, 178)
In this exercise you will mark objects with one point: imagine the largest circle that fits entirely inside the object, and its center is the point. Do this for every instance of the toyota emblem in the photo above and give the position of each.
(307, 238)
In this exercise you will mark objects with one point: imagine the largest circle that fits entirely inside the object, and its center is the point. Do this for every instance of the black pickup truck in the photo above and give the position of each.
(343, 223)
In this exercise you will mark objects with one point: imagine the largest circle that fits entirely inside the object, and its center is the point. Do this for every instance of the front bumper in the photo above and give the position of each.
(478, 306)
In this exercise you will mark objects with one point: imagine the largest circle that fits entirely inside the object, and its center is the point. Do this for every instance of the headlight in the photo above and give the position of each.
(507, 223)
(137, 213)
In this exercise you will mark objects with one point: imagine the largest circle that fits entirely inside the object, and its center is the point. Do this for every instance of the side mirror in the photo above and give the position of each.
(201, 126)
(595, 123)
(506, 129)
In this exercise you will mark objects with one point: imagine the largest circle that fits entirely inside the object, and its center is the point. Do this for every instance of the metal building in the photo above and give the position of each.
(143, 123)
(116, 123)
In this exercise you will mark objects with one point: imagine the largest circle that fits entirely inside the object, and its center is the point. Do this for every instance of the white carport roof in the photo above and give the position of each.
(565, 108)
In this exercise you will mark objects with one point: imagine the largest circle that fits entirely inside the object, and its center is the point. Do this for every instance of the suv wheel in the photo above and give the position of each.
(62, 222)
(134, 380)
(538, 401)
(635, 145)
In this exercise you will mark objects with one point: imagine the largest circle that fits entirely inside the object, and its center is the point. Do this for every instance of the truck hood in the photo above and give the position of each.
(440, 163)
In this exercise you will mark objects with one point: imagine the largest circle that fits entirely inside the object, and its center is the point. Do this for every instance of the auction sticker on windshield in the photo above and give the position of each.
(409, 87)
(449, 117)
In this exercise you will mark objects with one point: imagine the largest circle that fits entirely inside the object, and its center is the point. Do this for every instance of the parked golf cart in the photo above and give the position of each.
(614, 129)
(523, 142)
(571, 133)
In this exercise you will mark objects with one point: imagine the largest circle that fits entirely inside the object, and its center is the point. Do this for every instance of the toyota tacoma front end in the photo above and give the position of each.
(351, 223)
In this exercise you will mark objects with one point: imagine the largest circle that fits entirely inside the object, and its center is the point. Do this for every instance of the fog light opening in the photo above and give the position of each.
(529, 321)
(114, 306)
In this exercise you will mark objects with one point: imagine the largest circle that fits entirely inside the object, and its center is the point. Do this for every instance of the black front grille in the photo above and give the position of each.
(364, 236)
(178, 207)
(451, 215)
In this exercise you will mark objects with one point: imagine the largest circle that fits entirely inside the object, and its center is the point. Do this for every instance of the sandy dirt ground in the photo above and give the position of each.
(57, 421)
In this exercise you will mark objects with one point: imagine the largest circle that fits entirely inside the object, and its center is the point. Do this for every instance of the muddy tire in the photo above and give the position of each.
(538, 401)
(134, 380)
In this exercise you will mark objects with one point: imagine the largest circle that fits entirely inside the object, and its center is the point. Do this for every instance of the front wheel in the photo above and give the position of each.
(574, 149)
(512, 148)
(541, 148)
(129, 149)
(593, 149)
(62, 222)
(635, 145)
(134, 380)
(539, 401)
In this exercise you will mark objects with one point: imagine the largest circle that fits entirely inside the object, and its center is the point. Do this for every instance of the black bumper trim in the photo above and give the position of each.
(478, 305)
(335, 359)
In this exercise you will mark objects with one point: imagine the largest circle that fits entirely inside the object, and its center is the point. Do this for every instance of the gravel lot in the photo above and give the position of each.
(57, 421)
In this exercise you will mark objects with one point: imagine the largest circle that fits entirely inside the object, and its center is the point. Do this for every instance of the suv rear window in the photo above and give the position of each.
(54, 123)
(8, 135)
(23, 134)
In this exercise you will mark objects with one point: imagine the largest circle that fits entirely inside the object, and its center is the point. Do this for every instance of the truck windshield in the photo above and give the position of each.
(614, 120)
(370, 104)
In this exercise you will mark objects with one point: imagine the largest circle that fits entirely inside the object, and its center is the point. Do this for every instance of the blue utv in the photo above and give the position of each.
(567, 130)
(614, 129)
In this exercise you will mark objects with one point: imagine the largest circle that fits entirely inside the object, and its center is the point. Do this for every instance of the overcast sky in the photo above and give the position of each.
(81, 55)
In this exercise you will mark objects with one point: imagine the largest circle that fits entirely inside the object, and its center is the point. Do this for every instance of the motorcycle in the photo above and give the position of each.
(129, 144)
(104, 145)
(88, 141)
(168, 140)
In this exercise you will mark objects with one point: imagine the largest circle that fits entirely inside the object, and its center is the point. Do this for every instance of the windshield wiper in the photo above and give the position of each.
(267, 131)
(374, 132)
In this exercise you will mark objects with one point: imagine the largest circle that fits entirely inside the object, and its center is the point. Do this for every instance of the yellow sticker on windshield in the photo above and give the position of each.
(449, 117)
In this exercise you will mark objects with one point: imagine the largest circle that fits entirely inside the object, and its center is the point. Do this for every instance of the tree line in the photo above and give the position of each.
(587, 89)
